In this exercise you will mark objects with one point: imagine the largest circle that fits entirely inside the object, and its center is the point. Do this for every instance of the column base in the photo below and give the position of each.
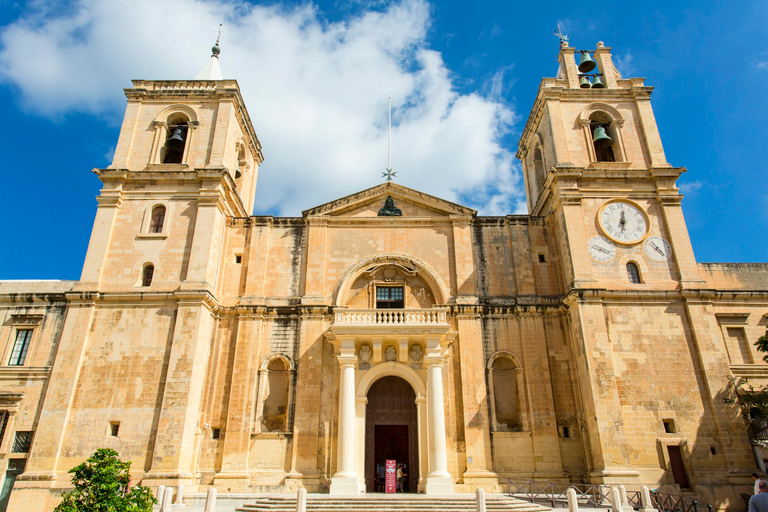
(346, 485)
(438, 485)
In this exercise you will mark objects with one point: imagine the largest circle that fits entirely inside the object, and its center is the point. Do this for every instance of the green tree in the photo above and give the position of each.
(762, 345)
(102, 484)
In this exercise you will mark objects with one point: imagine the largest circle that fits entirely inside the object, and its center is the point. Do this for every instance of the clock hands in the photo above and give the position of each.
(657, 249)
(622, 221)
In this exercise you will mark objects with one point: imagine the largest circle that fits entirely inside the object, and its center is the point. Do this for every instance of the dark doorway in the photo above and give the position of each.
(678, 468)
(391, 431)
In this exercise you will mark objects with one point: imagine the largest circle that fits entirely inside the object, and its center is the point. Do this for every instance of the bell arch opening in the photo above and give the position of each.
(391, 433)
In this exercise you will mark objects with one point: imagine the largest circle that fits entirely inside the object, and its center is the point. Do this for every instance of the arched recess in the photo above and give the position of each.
(174, 114)
(612, 118)
(423, 269)
(276, 377)
(389, 369)
(409, 375)
(507, 411)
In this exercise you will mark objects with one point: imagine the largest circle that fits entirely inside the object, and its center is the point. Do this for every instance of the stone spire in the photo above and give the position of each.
(212, 70)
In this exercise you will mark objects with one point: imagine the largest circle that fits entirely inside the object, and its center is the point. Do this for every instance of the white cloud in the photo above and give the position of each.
(316, 91)
(624, 64)
(690, 187)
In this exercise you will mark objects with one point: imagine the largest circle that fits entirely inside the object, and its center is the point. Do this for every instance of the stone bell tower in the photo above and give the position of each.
(186, 162)
(595, 171)
(187, 158)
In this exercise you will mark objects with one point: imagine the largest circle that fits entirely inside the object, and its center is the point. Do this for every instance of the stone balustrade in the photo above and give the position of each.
(391, 317)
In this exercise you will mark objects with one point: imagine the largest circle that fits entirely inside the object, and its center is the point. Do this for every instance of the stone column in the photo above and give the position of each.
(438, 480)
(345, 479)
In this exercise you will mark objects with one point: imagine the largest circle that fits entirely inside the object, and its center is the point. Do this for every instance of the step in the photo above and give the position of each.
(381, 503)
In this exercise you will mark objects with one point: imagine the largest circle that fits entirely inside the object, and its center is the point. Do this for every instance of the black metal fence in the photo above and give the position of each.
(592, 495)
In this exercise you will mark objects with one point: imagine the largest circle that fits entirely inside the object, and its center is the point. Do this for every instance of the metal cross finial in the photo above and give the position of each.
(563, 37)
(389, 174)
(219, 36)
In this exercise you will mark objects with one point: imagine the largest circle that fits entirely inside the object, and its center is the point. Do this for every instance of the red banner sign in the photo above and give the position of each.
(391, 478)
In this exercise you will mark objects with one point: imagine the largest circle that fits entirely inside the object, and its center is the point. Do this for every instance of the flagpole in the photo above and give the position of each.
(389, 136)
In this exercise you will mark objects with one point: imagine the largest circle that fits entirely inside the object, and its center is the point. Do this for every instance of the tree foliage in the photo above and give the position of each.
(762, 345)
(102, 484)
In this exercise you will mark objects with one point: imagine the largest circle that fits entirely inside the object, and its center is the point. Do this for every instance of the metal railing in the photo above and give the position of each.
(595, 495)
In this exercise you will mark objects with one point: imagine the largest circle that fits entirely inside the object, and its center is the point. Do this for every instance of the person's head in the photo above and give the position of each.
(763, 486)
(754, 476)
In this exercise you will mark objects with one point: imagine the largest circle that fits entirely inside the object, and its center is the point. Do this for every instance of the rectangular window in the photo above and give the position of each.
(114, 428)
(23, 442)
(738, 345)
(215, 433)
(389, 297)
(19, 352)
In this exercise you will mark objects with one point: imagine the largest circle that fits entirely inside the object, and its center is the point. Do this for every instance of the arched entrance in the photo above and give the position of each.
(391, 430)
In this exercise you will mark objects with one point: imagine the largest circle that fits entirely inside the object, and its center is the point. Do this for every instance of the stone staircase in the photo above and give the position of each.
(398, 502)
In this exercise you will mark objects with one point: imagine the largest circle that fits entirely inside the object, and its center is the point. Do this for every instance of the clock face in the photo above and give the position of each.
(601, 249)
(657, 249)
(623, 222)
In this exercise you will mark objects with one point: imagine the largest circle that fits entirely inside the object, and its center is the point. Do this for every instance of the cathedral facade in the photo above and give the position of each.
(214, 348)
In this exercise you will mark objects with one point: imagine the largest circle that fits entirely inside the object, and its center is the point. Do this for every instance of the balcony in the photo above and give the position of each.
(390, 321)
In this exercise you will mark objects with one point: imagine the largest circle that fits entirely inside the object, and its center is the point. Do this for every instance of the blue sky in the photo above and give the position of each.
(316, 77)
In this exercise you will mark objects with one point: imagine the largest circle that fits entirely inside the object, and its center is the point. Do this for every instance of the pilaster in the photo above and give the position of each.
(475, 399)
(242, 394)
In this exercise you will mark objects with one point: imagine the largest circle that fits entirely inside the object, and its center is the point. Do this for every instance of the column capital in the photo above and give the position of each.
(346, 361)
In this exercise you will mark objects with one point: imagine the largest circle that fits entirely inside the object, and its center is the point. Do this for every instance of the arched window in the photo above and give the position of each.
(633, 273)
(538, 169)
(275, 395)
(147, 273)
(505, 381)
(158, 218)
(240, 165)
(601, 128)
(176, 139)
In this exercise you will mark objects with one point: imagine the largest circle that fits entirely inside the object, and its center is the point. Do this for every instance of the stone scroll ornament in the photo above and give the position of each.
(390, 210)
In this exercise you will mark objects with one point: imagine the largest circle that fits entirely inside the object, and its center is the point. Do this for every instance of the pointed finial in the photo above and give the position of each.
(563, 37)
(216, 50)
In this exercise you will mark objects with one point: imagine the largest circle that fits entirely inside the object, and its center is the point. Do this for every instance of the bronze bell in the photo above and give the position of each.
(584, 82)
(587, 63)
(597, 83)
(176, 141)
(601, 139)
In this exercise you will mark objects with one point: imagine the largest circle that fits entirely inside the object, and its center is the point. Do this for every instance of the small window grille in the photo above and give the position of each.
(3, 423)
(146, 278)
(633, 273)
(215, 433)
(114, 428)
(238, 258)
(389, 297)
(158, 218)
(19, 352)
(22, 442)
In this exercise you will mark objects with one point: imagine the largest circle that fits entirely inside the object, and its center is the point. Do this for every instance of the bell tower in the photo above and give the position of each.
(596, 173)
(186, 159)
(592, 139)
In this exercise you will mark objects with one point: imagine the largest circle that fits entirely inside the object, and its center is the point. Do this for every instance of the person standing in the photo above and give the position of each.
(757, 483)
(401, 479)
(759, 502)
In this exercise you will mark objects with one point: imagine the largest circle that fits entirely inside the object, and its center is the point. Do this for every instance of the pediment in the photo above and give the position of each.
(410, 202)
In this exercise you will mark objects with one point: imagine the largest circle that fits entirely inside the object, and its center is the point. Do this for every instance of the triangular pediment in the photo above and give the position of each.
(410, 202)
